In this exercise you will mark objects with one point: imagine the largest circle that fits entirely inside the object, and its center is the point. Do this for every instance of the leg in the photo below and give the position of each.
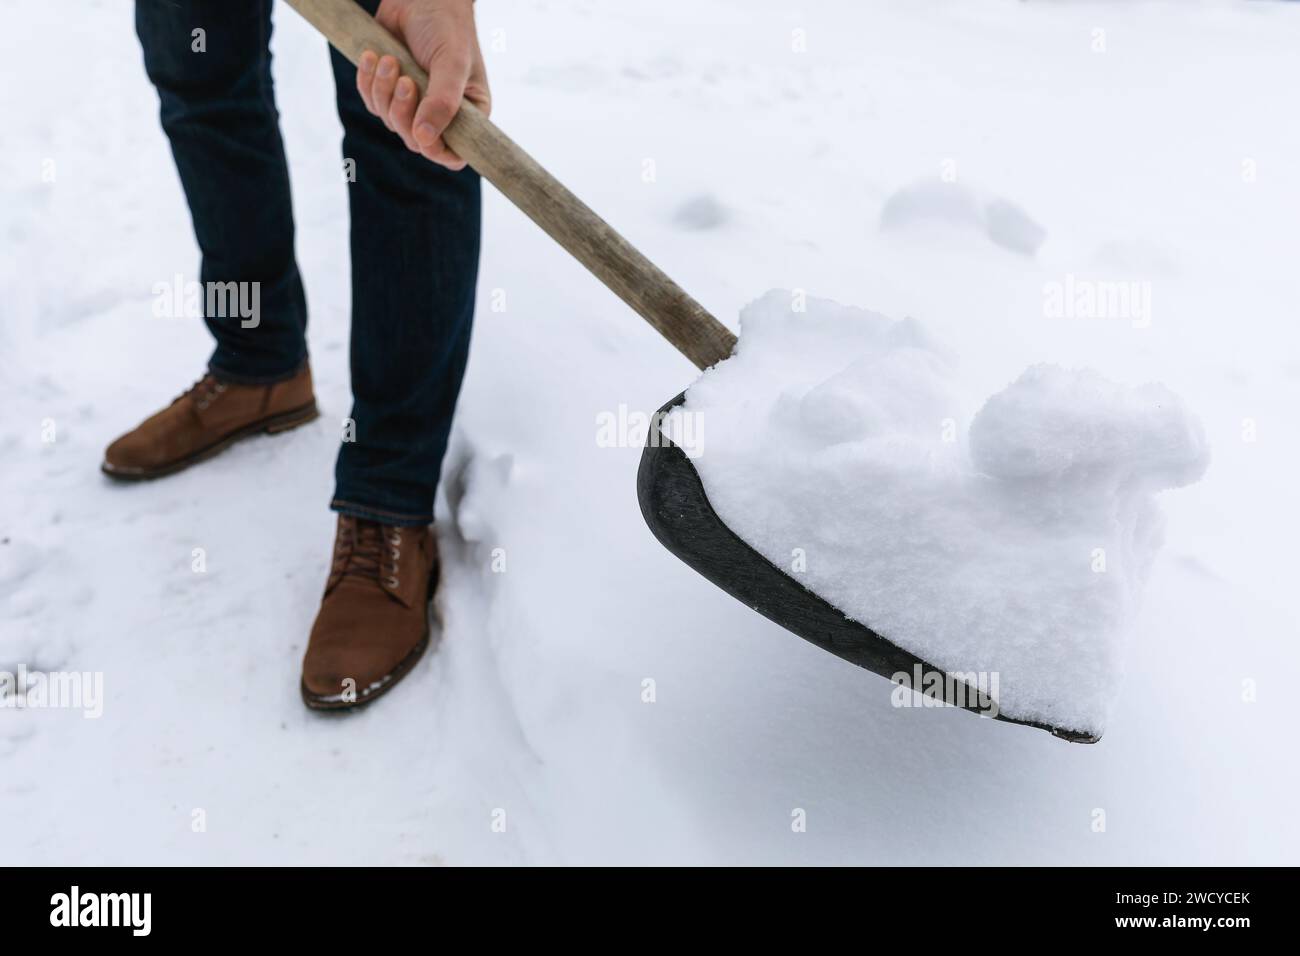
(209, 61)
(415, 239)
(415, 244)
(218, 111)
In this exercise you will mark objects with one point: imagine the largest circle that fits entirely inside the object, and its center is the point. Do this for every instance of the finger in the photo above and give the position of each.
(442, 154)
(478, 94)
(366, 77)
(385, 82)
(441, 102)
(476, 86)
(436, 149)
(402, 112)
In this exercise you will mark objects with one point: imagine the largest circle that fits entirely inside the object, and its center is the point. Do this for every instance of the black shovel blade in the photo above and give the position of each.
(677, 510)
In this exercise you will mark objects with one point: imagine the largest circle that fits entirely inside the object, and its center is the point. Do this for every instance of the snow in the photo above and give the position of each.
(1016, 545)
(956, 204)
(1166, 159)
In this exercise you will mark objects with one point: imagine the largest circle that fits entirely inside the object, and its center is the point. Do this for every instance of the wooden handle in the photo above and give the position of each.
(588, 238)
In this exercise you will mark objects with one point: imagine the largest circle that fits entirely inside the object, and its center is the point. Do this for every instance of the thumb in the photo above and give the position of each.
(447, 77)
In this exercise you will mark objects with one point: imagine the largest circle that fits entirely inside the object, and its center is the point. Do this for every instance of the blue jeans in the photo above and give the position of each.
(414, 244)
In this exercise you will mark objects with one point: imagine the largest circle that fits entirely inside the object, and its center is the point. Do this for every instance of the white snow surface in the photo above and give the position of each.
(1015, 546)
(948, 204)
(1169, 158)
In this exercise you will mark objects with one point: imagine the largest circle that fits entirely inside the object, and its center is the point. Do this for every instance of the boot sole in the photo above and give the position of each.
(271, 425)
(390, 680)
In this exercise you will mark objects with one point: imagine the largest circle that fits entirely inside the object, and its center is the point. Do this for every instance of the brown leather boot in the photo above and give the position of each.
(373, 624)
(208, 418)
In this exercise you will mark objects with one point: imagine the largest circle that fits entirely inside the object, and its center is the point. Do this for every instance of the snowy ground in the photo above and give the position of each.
(1167, 158)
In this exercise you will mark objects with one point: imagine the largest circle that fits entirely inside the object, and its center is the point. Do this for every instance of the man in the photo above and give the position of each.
(415, 239)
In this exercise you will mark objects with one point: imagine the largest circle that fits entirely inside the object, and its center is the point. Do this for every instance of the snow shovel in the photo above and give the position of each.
(671, 493)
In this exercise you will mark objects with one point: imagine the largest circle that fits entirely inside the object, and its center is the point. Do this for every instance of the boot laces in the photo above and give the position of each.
(205, 391)
(368, 550)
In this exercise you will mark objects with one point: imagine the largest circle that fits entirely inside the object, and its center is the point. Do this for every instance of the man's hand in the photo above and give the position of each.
(440, 35)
